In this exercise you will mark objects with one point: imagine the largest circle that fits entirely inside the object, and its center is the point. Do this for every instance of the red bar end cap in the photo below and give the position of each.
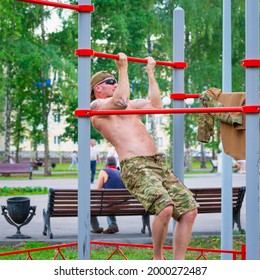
(84, 52)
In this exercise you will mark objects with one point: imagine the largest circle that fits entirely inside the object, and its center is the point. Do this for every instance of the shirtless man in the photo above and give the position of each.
(142, 168)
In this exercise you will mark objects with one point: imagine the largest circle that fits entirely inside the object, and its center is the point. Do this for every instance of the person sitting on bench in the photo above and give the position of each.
(108, 178)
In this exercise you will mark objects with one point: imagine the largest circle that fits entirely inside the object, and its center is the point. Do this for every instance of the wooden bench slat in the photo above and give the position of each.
(119, 202)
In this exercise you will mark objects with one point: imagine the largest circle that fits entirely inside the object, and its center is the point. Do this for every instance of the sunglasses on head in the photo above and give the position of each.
(111, 81)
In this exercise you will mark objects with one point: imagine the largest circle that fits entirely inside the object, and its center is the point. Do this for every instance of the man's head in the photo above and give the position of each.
(102, 82)
(92, 142)
(111, 161)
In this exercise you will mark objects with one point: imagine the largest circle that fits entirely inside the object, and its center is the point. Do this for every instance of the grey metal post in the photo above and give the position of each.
(252, 133)
(226, 179)
(84, 33)
(178, 80)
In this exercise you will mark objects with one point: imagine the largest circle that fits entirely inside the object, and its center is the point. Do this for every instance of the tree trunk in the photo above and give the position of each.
(47, 169)
(45, 113)
(7, 125)
(187, 159)
(45, 109)
(203, 158)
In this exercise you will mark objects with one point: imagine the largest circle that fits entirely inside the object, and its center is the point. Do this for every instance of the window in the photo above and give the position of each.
(159, 120)
(160, 142)
(57, 140)
(57, 118)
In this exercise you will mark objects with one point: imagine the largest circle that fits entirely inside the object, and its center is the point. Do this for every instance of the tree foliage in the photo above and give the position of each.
(138, 28)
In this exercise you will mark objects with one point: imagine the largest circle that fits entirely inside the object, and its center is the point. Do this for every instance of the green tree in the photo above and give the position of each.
(28, 62)
(139, 28)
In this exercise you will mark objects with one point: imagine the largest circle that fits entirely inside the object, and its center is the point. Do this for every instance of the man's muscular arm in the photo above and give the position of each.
(121, 95)
(122, 102)
(94, 105)
(153, 100)
(122, 92)
(154, 95)
(109, 104)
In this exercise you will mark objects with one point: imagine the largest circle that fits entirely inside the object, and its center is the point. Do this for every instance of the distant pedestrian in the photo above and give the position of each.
(74, 160)
(11, 160)
(94, 158)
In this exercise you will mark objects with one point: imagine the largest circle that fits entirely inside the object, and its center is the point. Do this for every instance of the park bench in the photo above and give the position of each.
(16, 168)
(209, 200)
(119, 202)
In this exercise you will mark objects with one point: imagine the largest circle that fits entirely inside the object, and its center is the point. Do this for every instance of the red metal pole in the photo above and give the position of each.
(84, 113)
(142, 60)
(90, 52)
(78, 8)
(192, 95)
(243, 252)
(243, 109)
(182, 96)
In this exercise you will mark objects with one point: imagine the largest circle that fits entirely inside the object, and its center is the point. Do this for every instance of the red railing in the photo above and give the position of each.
(118, 248)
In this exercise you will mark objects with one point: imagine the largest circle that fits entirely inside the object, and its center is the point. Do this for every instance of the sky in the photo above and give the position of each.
(54, 23)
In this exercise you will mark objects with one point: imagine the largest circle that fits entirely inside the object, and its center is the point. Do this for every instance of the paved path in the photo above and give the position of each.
(65, 229)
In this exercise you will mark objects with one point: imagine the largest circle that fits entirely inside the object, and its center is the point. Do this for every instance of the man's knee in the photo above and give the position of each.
(189, 216)
(166, 212)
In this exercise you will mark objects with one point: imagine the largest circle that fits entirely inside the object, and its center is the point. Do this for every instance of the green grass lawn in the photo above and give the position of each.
(61, 171)
(103, 252)
(16, 191)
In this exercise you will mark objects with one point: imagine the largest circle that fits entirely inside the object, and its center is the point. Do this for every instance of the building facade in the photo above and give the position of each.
(62, 149)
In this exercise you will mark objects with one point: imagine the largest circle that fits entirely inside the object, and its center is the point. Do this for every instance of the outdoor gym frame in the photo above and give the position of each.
(251, 109)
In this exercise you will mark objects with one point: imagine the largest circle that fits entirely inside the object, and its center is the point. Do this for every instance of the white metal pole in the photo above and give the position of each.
(178, 80)
(226, 179)
(84, 35)
(252, 134)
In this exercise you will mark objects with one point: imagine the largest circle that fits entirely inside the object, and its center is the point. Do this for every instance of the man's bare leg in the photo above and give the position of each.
(182, 234)
(160, 230)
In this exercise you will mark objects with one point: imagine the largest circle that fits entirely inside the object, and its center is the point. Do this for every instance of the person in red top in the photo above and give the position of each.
(108, 178)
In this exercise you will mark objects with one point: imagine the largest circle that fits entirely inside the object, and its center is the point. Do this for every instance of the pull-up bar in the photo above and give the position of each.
(78, 8)
(251, 62)
(244, 109)
(182, 96)
(90, 52)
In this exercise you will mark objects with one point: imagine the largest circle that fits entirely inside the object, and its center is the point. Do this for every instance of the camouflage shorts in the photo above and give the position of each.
(156, 186)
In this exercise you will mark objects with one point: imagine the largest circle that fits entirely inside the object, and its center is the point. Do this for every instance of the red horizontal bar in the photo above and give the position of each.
(251, 63)
(90, 52)
(243, 109)
(78, 8)
(182, 96)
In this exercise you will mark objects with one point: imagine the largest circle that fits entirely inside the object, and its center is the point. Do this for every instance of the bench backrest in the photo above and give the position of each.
(17, 167)
(209, 199)
(64, 202)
